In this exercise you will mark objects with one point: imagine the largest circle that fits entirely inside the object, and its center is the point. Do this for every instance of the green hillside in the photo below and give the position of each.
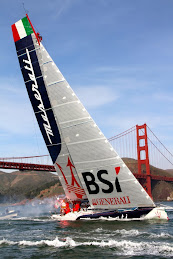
(20, 185)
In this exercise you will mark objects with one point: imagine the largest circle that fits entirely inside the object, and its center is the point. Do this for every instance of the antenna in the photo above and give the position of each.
(26, 11)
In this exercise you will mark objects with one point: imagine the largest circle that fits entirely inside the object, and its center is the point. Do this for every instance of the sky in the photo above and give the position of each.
(117, 55)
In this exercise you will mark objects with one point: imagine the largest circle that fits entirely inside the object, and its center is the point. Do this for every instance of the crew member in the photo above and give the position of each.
(63, 208)
(67, 209)
(76, 207)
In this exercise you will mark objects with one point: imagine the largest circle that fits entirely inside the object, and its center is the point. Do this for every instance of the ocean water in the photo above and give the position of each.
(35, 235)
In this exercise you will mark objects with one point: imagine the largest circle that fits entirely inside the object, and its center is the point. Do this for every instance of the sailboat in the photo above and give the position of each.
(89, 168)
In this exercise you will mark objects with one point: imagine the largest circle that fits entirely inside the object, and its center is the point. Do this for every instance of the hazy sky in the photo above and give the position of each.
(117, 55)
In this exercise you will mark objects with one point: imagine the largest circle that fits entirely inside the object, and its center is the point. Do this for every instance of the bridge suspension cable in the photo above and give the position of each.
(163, 157)
(126, 144)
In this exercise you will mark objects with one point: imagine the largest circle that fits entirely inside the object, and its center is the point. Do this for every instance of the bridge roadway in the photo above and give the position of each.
(51, 168)
(26, 166)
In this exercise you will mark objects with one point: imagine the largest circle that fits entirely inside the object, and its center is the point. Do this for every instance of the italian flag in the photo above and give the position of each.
(21, 29)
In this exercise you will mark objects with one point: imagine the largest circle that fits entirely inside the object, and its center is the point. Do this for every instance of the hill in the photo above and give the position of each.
(133, 166)
(170, 171)
(25, 184)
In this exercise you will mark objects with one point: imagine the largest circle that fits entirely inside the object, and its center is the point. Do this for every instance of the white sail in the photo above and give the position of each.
(87, 164)
(107, 181)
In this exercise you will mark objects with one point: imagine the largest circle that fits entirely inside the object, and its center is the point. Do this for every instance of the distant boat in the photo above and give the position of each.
(169, 198)
(90, 170)
(9, 214)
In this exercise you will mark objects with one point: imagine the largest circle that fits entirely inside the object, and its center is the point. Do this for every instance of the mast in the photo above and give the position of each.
(36, 34)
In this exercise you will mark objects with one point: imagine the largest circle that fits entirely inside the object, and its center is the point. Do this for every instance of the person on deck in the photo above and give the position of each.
(63, 208)
(76, 207)
(67, 209)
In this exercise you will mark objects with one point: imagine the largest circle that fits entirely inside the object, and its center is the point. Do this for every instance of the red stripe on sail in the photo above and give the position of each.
(15, 33)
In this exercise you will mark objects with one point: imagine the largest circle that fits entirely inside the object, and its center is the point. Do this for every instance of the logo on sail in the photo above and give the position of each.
(74, 187)
(92, 183)
(38, 97)
(111, 201)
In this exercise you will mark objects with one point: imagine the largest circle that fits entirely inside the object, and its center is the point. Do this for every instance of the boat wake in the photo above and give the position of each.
(123, 247)
(115, 219)
(167, 208)
(39, 219)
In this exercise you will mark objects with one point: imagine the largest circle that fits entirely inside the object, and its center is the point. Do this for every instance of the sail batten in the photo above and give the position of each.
(57, 82)
(96, 161)
(77, 125)
(83, 118)
(35, 78)
(23, 51)
(85, 141)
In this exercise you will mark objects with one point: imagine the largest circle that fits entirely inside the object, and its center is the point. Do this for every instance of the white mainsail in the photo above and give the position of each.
(88, 148)
(87, 164)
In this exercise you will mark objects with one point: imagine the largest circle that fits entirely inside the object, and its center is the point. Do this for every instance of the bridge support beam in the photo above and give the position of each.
(143, 159)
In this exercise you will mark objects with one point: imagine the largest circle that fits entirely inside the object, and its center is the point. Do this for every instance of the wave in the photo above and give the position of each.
(129, 233)
(67, 242)
(7, 242)
(161, 235)
(42, 219)
(123, 247)
(133, 233)
(122, 232)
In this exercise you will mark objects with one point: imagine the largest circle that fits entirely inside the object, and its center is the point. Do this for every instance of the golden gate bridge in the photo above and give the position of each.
(138, 143)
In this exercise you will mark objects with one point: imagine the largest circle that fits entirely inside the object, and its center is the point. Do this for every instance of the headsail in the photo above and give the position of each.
(86, 163)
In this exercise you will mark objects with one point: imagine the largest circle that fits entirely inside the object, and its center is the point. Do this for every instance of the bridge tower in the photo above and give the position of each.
(143, 156)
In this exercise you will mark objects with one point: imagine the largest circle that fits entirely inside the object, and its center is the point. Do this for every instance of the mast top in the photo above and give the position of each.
(37, 34)
(23, 28)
